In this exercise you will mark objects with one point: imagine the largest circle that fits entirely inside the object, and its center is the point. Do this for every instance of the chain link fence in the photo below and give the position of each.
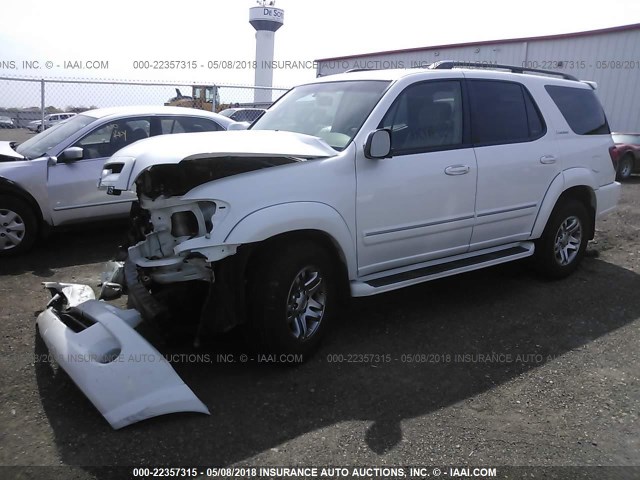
(25, 100)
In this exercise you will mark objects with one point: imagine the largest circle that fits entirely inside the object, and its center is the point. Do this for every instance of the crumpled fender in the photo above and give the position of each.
(288, 217)
(119, 371)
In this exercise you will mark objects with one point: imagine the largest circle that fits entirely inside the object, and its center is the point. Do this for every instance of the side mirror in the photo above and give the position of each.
(239, 126)
(378, 144)
(71, 154)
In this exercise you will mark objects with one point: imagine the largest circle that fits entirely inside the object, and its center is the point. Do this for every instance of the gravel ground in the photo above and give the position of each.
(512, 370)
(15, 134)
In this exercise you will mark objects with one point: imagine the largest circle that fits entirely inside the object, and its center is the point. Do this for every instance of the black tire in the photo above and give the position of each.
(568, 226)
(625, 168)
(18, 226)
(274, 280)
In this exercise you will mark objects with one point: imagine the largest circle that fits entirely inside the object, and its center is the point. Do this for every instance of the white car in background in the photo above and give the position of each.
(49, 121)
(50, 179)
(6, 122)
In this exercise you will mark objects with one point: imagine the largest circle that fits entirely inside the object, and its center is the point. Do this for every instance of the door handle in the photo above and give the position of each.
(457, 169)
(548, 159)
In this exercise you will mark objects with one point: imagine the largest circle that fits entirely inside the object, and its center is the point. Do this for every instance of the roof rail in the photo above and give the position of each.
(449, 64)
(351, 70)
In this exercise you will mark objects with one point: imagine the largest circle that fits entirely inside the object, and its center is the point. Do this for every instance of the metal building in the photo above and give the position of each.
(610, 57)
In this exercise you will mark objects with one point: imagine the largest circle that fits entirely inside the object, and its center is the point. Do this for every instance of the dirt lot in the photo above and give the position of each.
(15, 134)
(514, 371)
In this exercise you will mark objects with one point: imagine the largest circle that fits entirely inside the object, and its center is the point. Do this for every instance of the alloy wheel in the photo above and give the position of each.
(568, 240)
(306, 303)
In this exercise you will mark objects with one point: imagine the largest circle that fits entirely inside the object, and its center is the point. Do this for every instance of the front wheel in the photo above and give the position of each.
(292, 298)
(18, 226)
(564, 240)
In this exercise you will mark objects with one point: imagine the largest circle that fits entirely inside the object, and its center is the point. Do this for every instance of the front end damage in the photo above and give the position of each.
(177, 273)
(175, 262)
(178, 259)
(175, 276)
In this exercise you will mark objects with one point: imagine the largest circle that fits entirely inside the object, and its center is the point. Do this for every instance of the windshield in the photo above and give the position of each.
(332, 111)
(40, 145)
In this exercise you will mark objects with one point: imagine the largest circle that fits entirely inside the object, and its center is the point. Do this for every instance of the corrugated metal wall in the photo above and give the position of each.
(612, 59)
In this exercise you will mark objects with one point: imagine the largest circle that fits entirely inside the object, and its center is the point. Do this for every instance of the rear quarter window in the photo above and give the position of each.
(581, 109)
(188, 125)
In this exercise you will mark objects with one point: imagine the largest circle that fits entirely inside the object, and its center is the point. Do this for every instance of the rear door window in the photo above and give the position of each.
(503, 112)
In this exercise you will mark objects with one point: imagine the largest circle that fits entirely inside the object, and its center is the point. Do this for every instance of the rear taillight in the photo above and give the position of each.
(614, 153)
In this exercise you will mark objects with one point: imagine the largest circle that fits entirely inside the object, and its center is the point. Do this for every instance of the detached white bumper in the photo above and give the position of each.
(607, 198)
(119, 371)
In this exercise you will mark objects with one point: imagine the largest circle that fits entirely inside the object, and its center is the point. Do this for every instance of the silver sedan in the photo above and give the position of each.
(51, 178)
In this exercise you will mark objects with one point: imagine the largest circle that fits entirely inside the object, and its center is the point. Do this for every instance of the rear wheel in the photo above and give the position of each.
(564, 240)
(292, 298)
(18, 226)
(625, 168)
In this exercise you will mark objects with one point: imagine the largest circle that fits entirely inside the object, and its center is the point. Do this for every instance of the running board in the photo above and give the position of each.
(424, 272)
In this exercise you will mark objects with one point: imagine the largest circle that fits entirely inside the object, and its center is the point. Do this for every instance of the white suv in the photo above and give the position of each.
(49, 121)
(362, 183)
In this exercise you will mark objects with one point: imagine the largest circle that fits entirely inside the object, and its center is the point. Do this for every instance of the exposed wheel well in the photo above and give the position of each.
(9, 188)
(632, 158)
(587, 197)
(315, 236)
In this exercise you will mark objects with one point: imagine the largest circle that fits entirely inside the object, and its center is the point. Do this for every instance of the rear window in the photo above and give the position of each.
(581, 109)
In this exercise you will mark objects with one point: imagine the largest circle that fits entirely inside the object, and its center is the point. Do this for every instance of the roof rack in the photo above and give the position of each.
(351, 70)
(449, 64)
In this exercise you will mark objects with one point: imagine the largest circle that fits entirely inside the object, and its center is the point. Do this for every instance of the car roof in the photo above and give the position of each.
(238, 109)
(153, 110)
(393, 75)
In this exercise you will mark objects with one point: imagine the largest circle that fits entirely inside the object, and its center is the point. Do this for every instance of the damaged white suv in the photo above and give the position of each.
(362, 183)
(356, 184)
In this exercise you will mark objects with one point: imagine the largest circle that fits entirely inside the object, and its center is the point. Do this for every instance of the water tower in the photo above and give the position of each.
(266, 19)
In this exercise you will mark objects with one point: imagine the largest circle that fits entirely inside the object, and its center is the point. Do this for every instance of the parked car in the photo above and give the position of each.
(243, 114)
(628, 152)
(6, 122)
(51, 178)
(49, 121)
